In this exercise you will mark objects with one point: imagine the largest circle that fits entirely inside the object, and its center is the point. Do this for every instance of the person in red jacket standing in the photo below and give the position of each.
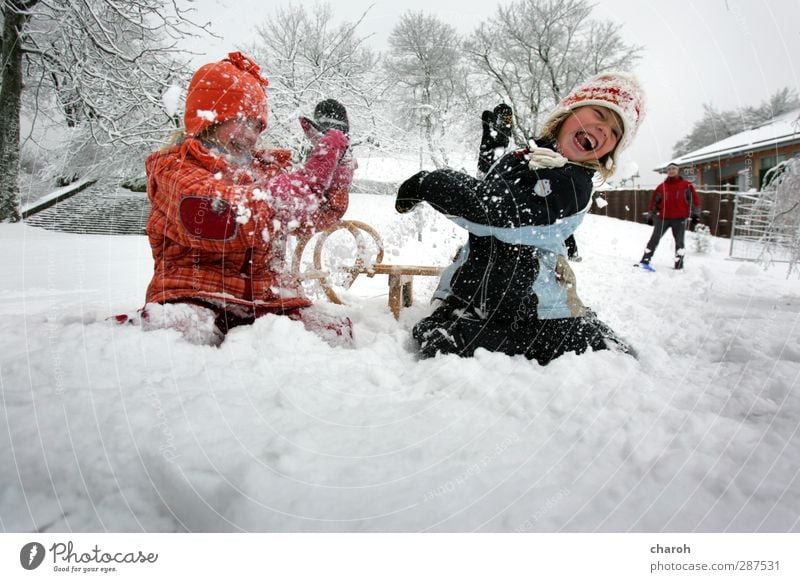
(220, 209)
(672, 202)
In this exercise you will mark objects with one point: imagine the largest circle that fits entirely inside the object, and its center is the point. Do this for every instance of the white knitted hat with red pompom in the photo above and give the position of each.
(620, 92)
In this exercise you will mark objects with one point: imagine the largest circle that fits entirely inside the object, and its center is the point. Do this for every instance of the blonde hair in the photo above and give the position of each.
(174, 138)
(180, 136)
(606, 165)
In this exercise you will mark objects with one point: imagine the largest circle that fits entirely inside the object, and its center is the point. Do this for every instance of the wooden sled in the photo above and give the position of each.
(401, 277)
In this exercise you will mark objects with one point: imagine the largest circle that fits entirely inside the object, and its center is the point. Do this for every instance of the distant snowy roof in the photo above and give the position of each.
(782, 129)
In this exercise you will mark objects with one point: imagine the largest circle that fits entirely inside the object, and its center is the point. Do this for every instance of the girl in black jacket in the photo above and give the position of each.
(510, 289)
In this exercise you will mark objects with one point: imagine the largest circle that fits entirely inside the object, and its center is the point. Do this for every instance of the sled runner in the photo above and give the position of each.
(368, 260)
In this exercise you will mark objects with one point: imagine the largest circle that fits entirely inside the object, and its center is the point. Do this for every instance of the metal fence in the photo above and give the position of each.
(755, 236)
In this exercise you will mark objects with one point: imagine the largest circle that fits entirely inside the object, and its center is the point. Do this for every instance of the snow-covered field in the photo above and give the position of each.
(107, 428)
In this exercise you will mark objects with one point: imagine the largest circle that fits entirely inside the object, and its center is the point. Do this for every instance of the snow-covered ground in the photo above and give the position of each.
(104, 427)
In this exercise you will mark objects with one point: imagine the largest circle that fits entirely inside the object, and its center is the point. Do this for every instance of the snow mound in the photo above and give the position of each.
(110, 428)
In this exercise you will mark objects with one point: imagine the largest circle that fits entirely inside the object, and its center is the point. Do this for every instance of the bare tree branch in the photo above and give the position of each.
(104, 64)
(533, 52)
(425, 58)
(308, 58)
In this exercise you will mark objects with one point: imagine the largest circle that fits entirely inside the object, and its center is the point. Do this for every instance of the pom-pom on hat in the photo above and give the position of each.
(619, 92)
(224, 90)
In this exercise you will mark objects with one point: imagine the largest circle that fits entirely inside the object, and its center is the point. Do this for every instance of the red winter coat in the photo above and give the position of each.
(212, 224)
(670, 199)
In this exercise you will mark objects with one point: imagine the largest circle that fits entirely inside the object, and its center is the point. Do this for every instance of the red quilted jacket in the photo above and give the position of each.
(213, 226)
(671, 199)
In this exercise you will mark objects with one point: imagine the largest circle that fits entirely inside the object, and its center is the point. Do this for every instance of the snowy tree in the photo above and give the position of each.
(716, 125)
(307, 58)
(425, 61)
(104, 63)
(15, 17)
(783, 229)
(531, 53)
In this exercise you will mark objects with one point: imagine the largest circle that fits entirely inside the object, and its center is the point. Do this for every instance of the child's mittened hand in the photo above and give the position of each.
(408, 193)
(488, 132)
(543, 158)
(310, 130)
(335, 139)
(328, 114)
(314, 132)
(343, 175)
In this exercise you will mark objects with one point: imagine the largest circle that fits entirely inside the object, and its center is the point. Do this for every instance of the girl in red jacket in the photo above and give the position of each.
(221, 209)
(672, 202)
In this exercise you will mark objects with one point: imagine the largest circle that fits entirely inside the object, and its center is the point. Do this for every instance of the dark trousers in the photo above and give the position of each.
(572, 246)
(678, 227)
(452, 329)
(227, 319)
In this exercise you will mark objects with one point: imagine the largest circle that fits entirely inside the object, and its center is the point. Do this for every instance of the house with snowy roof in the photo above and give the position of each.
(741, 161)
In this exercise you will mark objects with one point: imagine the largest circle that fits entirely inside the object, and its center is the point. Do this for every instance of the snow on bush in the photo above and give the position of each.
(783, 231)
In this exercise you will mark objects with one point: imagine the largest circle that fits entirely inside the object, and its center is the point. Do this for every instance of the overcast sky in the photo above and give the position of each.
(726, 52)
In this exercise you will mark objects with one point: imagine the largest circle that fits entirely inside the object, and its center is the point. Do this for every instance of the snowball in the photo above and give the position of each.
(171, 100)
(208, 115)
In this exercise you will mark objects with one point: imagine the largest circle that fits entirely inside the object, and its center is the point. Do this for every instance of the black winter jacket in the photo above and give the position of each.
(517, 220)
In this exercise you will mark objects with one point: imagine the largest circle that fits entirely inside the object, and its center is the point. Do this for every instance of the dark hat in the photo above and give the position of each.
(673, 165)
(330, 114)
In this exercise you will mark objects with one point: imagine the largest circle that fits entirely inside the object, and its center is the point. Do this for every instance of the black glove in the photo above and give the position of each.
(408, 193)
(651, 218)
(488, 141)
(328, 114)
(503, 120)
(488, 118)
(693, 221)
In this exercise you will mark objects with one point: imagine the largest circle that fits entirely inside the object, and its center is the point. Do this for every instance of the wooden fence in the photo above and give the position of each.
(632, 205)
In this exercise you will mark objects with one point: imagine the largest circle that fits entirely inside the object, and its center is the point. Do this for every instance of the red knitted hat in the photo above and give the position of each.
(619, 92)
(224, 90)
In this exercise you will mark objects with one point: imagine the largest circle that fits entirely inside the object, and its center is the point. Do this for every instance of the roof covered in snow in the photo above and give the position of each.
(782, 130)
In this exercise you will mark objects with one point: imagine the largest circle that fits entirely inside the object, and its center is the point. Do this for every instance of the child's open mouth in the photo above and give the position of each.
(585, 141)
